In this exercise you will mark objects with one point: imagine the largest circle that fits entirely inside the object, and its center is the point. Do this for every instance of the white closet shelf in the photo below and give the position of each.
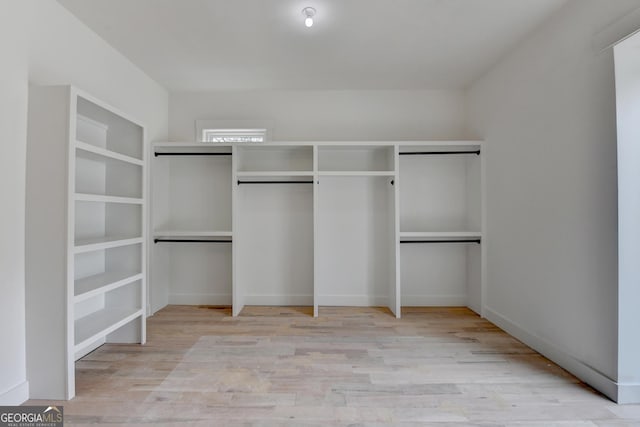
(102, 283)
(271, 174)
(440, 234)
(357, 173)
(101, 323)
(99, 243)
(108, 153)
(192, 233)
(84, 197)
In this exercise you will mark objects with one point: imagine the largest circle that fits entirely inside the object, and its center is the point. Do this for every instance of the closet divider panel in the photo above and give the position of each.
(394, 239)
(237, 290)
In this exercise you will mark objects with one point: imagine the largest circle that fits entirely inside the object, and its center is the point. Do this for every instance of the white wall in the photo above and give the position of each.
(64, 51)
(327, 115)
(547, 112)
(42, 43)
(627, 61)
(13, 142)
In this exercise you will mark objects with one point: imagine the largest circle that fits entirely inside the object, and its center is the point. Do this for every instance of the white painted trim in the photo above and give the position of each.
(586, 373)
(434, 300)
(199, 299)
(89, 348)
(353, 300)
(278, 300)
(16, 395)
(628, 393)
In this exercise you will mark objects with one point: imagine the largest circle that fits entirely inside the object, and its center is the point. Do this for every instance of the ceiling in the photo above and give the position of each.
(200, 45)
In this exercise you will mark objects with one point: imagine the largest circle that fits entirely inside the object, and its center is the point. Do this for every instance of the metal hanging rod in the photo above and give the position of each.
(419, 153)
(442, 241)
(160, 153)
(192, 240)
(274, 182)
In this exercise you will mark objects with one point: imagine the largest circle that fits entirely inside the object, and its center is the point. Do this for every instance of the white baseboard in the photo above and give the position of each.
(586, 373)
(353, 300)
(434, 300)
(628, 393)
(278, 300)
(199, 299)
(16, 395)
(89, 348)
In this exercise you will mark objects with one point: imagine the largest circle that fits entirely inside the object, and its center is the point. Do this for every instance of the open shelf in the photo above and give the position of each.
(357, 173)
(107, 176)
(101, 323)
(98, 220)
(191, 233)
(270, 174)
(99, 243)
(91, 286)
(106, 153)
(83, 197)
(105, 129)
(192, 192)
(274, 158)
(440, 193)
(355, 158)
(440, 234)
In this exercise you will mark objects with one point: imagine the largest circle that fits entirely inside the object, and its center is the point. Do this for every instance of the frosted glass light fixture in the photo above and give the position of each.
(308, 12)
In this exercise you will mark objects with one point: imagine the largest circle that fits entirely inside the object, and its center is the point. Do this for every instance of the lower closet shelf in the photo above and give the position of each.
(100, 243)
(101, 323)
(102, 283)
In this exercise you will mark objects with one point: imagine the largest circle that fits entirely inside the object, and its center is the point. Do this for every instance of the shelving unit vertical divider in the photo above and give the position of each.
(395, 292)
(237, 303)
(316, 188)
(483, 228)
(70, 288)
(144, 248)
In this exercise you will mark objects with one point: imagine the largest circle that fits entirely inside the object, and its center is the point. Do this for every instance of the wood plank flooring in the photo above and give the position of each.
(278, 366)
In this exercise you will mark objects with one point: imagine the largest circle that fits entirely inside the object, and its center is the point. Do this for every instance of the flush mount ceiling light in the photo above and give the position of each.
(308, 13)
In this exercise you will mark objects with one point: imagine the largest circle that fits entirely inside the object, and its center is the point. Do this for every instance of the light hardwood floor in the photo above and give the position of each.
(278, 366)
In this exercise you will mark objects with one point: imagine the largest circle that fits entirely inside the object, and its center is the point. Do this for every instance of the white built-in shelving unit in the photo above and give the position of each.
(85, 234)
(318, 223)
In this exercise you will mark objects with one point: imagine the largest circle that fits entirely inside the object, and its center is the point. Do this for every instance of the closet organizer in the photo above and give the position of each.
(317, 224)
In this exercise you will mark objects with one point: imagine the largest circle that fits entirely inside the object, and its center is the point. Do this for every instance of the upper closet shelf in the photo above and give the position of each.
(191, 233)
(440, 234)
(107, 153)
(274, 173)
(357, 173)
